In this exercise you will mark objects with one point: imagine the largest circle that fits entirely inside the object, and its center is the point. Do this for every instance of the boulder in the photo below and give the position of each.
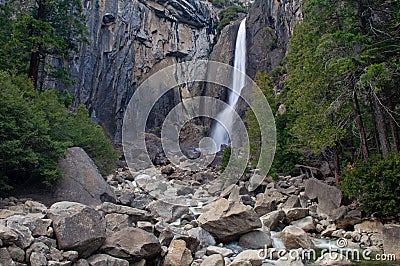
(77, 227)
(205, 238)
(257, 239)
(24, 234)
(132, 244)
(306, 223)
(264, 204)
(225, 252)
(329, 197)
(5, 258)
(34, 221)
(345, 218)
(274, 220)
(369, 226)
(296, 214)
(292, 202)
(252, 256)
(38, 259)
(288, 261)
(227, 220)
(81, 181)
(213, 260)
(116, 222)
(104, 259)
(294, 237)
(275, 195)
(166, 211)
(133, 213)
(16, 253)
(333, 259)
(168, 233)
(7, 236)
(391, 236)
(329, 230)
(178, 254)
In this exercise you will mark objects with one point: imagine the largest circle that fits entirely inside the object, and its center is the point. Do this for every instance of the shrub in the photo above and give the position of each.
(225, 159)
(229, 14)
(28, 150)
(36, 128)
(375, 183)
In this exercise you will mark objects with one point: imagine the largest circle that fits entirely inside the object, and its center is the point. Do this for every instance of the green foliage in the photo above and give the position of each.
(236, 160)
(36, 128)
(49, 28)
(84, 133)
(229, 14)
(376, 184)
(225, 159)
(287, 154)
(342, 50)
(28, 151)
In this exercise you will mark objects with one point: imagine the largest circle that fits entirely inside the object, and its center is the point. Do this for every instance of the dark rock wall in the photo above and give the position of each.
(270, 25)
(130, 40)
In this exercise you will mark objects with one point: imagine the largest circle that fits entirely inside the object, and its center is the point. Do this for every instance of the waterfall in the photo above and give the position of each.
(218, 132)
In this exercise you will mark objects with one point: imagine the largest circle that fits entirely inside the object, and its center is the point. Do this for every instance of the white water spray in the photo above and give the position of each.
(218, 132)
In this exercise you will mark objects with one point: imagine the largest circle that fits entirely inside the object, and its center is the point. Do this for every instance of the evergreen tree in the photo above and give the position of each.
(38, 33)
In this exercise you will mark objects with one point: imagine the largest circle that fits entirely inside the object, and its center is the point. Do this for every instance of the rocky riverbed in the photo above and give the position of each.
(177, 217)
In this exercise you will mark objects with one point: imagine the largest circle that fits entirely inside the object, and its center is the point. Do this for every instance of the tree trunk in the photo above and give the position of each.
(376, 137)
(35, 55)
(362, 16)
(380, 124)
(393, 126)
(361, 129)
(336, 162)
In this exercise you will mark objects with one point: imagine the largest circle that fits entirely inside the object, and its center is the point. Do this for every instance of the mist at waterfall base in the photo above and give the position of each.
(220, 129)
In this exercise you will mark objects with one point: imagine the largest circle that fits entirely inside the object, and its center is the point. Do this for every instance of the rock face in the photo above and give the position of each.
(77, 227)
(270, 25)
(132, 244)
(391, 236)
(130, 40)
(81, 181)
(227, 220)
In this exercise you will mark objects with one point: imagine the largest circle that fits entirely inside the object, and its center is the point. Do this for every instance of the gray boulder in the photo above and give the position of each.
(294, 237)
(213, 260)
(346, 218)
(132, 244)
(296, 214)
(7, 236)
(274, 220)
(5, 258)
(264, 204)
(257, 239)
(77, 227)
(329, 197)
(306, 223)
(178, 254)
(106, 260)
(391, 236)
(227, 220)
(81, 181)
(205, 238)
(166, 211)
